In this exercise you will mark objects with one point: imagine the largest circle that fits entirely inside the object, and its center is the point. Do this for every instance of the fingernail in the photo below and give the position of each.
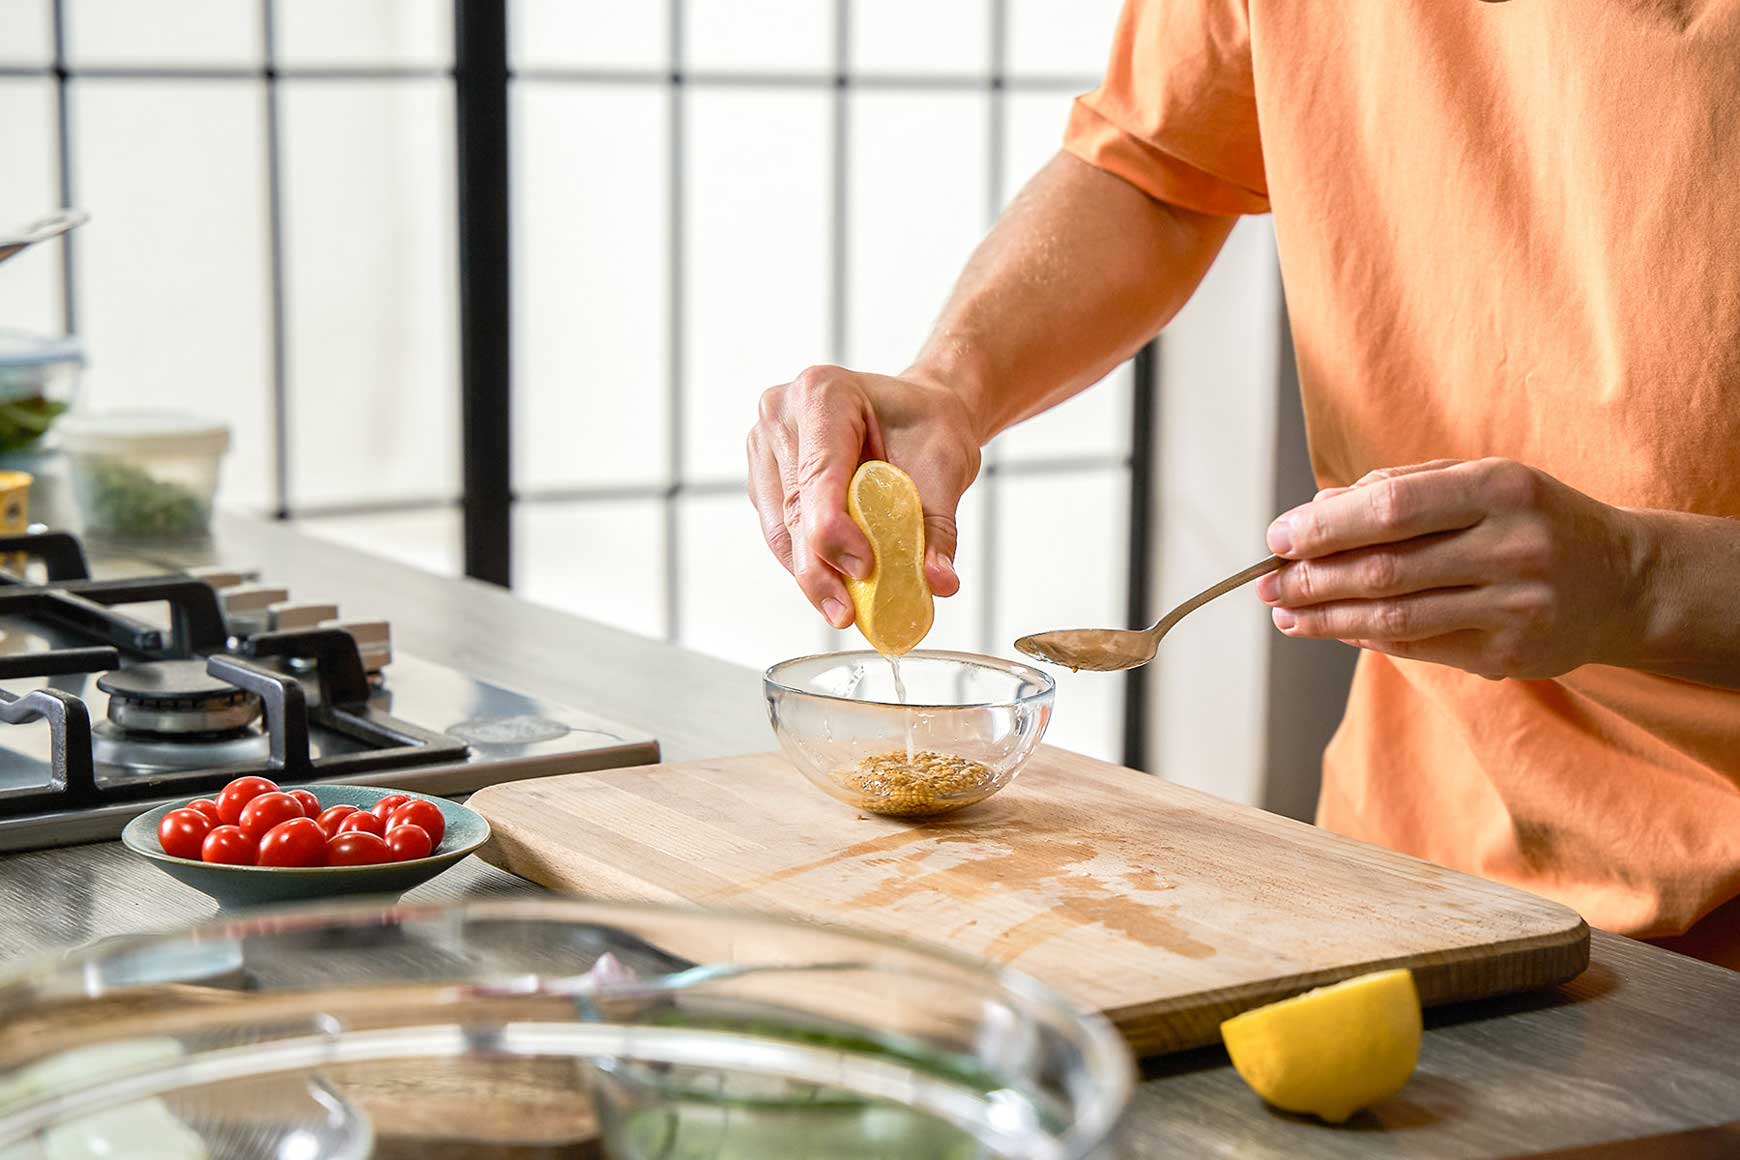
(855, 568)
(835, 612)
(1280, 537)
(1269, 589)
(1284, 620)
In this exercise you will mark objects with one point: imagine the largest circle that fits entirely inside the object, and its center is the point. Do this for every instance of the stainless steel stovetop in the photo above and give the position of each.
(120, 692)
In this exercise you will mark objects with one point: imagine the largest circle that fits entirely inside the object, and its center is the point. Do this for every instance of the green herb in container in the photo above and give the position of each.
(144, 474)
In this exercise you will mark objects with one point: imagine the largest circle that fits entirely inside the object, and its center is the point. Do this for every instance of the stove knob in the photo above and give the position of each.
(245, 607)
(374, 641)
(220, 577)
(287, 615)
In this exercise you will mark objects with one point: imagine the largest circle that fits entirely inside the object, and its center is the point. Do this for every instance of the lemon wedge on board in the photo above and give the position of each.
(893, 605)
(1332, 1051)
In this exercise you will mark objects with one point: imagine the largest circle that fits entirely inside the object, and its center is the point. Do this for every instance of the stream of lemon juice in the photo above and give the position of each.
(900, 696)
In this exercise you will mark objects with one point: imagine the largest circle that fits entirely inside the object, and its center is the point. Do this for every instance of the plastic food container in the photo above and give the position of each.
(543, 1028)
(957, 728)
(38, 377)
(144, 474)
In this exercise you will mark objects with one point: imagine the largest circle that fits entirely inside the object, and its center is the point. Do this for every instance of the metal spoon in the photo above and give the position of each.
(52, 226)
(1108, 650)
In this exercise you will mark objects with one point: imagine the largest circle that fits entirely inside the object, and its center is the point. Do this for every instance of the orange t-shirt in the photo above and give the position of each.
(1505, 229)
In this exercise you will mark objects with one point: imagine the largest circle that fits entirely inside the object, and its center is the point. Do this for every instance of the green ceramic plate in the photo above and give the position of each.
(238, 886)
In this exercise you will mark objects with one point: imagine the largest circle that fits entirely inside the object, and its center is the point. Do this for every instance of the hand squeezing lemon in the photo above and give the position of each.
(893, 605)
(1332, 1051)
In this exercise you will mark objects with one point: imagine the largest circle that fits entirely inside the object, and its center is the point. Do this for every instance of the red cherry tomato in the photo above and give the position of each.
(310, 803)
(409, 841)
(357, 848)
(238, 794)
(297, 842)
(181, 832)
(331, 816)
(364, 822)
(267, 811)
(419, 812)
(228, 845)
(207, 807)
(391, 800)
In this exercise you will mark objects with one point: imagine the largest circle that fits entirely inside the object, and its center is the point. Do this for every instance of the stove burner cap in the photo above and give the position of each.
(176, 697)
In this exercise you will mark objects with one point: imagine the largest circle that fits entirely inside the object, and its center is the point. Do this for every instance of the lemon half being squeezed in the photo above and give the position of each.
(893, 605)
(1332, 1051)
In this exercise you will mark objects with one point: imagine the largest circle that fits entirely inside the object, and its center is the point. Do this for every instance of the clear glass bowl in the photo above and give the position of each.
(546, 1027)
(962, 731)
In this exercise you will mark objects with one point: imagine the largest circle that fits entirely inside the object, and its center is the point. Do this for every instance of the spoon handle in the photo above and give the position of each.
(1235, 581)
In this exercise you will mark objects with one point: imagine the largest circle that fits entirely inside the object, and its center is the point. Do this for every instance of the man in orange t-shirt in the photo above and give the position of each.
(1510, 241)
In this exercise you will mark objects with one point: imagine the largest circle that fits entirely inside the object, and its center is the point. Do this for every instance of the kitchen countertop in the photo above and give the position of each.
(1639, 1049)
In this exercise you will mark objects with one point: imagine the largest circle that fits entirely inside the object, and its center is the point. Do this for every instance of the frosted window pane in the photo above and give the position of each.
(1034, 124)
(1062, 552)
(163, 32)
(1061, 37)
(1095, 422)
(736, 601)
(172, 269)
(597, 33)
(591, 285)
(26, 34)
(29, 282)
(344, 32)
(737, 35)
(602, 560)
(370, 286)
(910, 235)
(921, 36)
(429, 540)
(755, 214)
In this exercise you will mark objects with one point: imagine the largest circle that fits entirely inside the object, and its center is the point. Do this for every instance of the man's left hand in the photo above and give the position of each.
(1490, 566)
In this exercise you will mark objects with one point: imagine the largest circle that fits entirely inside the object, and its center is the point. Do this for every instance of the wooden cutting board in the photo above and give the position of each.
(1166, 909)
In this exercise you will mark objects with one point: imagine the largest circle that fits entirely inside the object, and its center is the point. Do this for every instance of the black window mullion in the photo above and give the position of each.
(1139, 576)
(676, 127)
(997, 127)
(840, 216)
(480, 83)
(275, 264)
(69, 299)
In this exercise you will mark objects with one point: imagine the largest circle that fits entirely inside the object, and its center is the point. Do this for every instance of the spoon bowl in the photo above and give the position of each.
(1111, 650)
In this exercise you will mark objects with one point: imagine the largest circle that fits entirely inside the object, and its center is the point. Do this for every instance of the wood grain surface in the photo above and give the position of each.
(1164, 908)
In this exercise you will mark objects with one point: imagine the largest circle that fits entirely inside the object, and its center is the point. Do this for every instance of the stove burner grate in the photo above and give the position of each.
(177, 698)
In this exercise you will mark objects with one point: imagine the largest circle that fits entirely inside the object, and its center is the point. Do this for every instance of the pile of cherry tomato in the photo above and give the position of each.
(254, 823)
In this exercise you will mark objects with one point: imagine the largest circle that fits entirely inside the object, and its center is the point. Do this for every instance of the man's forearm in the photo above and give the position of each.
(1079, 272)
(1688, 599)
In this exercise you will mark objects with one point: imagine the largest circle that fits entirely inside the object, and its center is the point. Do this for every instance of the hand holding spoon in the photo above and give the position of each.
(1108, 650)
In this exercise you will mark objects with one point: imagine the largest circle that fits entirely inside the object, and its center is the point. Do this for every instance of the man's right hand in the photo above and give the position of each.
(813, 433)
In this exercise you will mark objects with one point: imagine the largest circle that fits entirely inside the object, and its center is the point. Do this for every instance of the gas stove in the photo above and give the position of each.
(119, 694)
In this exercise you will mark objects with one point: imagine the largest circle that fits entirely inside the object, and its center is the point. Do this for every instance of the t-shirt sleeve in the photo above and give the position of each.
(1176, 115)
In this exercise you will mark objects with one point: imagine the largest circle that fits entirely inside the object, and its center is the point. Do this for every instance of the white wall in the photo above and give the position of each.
(1219, 363)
